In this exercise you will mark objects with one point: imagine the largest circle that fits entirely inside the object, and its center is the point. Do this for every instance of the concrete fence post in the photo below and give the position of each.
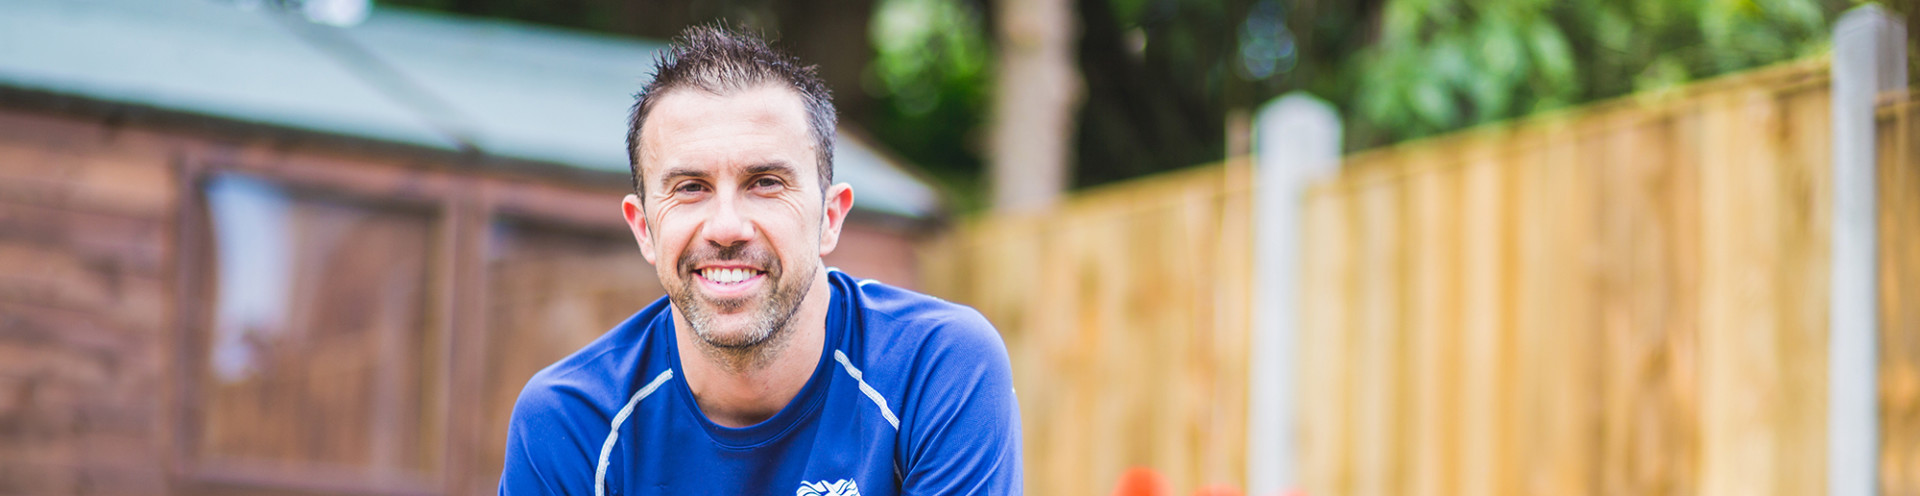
(1869, 58)
(1297, 140)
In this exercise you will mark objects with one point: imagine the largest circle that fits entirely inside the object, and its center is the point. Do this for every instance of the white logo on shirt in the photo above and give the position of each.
(842, 487)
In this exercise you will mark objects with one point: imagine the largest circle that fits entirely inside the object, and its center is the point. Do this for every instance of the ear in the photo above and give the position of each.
(637, 221)
(839, 202)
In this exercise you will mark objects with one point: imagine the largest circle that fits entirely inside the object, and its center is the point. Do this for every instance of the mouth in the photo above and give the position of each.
(729, 278)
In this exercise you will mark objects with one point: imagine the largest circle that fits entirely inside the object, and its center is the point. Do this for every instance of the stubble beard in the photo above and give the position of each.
(770, 327)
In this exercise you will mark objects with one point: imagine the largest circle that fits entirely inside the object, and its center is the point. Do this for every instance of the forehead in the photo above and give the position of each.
(690, 127)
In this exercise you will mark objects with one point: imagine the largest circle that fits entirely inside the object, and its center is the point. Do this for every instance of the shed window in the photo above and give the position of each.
(318, 357)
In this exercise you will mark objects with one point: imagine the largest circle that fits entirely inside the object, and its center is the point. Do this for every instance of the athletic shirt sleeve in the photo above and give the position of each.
(964, 432)
(550, 441)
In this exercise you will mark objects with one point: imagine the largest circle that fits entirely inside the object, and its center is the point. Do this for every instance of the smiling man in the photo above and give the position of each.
(761, 371)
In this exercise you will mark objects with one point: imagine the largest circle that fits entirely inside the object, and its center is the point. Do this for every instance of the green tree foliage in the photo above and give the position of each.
(1157, 76)
(930, 78)
(1154, 73)
(1439, 65)
(1163, 76)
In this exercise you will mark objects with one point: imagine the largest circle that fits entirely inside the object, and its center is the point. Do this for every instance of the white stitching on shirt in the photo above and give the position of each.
(613, 433)
(864, 388)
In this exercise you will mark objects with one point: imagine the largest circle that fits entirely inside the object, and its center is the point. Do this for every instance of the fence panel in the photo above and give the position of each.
(1626, 299)
(1126, 315)
(1899, 142)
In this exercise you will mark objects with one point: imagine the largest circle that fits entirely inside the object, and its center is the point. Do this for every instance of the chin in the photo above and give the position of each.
(742, 322)
(733, 333)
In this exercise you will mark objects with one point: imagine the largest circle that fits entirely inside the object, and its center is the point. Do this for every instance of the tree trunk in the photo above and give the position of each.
(1037, 91)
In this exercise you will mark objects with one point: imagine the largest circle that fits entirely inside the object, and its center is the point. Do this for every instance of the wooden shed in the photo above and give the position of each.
(242, 253)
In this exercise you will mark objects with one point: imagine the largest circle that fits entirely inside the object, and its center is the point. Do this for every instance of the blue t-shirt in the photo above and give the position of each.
(912, 395)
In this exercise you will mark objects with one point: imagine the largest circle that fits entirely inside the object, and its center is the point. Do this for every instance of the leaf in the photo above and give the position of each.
(1400, 24)
(1551, 54)
(1490, 99)
(1613, 31)
(1800, 14)
(1430, 101)
(1501, 53)
(1448, 63)
(1665, 72)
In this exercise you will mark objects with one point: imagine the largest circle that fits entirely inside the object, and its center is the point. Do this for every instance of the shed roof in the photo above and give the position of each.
(422, 79)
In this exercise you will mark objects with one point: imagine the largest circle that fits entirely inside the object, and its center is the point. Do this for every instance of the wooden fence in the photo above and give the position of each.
(1629, 298)
(1126, 314)
(1900, 298)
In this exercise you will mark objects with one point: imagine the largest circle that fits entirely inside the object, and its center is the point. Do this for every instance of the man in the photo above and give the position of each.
(761, 371)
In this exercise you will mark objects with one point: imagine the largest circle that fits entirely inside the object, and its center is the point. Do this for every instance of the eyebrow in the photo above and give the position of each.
(777, 167)
(678, 173)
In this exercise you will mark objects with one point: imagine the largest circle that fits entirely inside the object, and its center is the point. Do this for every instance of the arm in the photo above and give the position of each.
(965, 434)
(549, 452)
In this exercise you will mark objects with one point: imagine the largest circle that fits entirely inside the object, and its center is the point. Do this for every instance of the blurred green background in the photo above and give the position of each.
(1163, 77)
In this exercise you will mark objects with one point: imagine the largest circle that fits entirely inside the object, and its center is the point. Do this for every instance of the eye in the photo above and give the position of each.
(765, 182)
(690, 187)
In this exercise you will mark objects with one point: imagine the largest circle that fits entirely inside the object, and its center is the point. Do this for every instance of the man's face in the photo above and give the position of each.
(734, 221)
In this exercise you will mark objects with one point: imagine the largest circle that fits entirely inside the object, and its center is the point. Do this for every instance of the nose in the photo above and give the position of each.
(727, 226)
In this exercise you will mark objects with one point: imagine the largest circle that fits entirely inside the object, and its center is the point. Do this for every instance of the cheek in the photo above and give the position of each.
(671, 231)
(790, 229)
(676, 218)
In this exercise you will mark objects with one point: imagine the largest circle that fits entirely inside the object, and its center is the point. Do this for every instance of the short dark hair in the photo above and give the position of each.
(722, 61)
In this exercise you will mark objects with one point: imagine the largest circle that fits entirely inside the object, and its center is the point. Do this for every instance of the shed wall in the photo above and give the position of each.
(109, 289)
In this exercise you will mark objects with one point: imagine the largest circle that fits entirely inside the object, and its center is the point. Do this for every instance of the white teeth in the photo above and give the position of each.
(727, 276)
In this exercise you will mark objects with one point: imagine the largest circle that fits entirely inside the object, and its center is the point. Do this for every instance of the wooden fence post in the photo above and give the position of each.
(1298, 141)
(1869, 57)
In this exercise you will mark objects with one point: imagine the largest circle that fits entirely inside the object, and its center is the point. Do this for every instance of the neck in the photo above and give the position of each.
(737, 392)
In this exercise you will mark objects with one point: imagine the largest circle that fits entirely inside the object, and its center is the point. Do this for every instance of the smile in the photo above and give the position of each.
(730, 275)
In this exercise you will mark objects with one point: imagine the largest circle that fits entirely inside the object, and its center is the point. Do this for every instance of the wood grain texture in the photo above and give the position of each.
(84, 302)
(1899, 176)
(1433, 322)
(1326, 433)
(550, 291)
(409, 341)
(1126, 315)
(1624, 299)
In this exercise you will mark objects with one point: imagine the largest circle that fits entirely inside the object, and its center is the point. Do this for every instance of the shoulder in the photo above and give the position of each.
(960, 420)
(929, 346)
(561, 417)
(900, 317)
(582, 391)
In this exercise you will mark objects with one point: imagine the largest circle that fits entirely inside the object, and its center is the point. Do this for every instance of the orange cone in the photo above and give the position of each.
(1142, 481)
